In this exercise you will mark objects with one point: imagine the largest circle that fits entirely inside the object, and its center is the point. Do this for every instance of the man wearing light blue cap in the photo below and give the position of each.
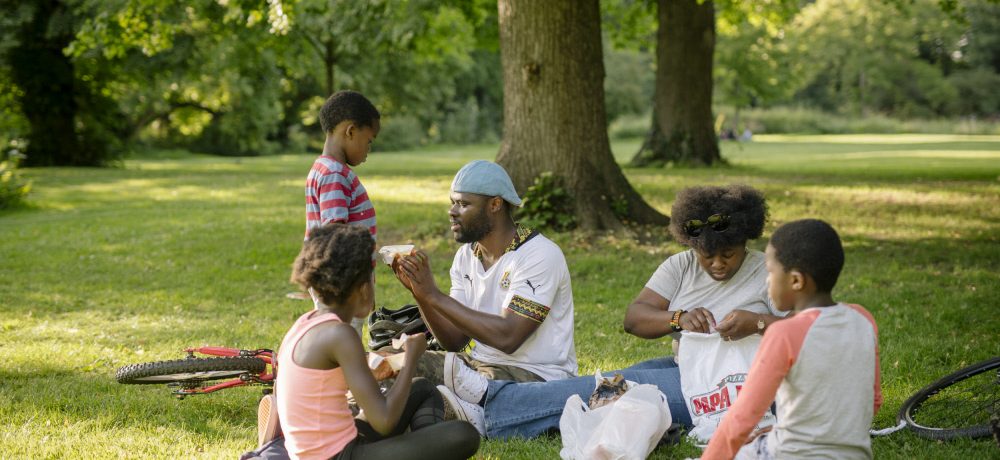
(510, 293)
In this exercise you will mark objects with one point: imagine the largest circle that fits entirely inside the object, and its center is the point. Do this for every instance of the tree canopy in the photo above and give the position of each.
(245, 77)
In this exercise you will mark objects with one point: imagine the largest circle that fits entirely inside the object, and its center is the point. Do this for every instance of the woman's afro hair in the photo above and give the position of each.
(334, 260)
(745, 206)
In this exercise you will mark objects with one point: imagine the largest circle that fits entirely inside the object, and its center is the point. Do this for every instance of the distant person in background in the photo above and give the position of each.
(333, 191)
(747, 136)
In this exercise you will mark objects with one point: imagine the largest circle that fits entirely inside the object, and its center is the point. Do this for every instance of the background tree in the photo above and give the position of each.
(70, 121)
(682, 128)
(554, 115)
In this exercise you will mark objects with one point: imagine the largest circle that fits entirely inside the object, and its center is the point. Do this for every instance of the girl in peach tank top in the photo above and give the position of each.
(321, 358)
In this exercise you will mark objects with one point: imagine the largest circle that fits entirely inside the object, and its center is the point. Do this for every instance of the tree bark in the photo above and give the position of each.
(554, 115)
(682, 129)
(45, 75)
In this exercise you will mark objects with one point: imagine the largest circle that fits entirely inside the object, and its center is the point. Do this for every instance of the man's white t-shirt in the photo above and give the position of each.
(682, 281)
(531, 281)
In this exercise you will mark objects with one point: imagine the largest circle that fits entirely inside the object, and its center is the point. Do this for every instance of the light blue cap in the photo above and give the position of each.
(485, 178)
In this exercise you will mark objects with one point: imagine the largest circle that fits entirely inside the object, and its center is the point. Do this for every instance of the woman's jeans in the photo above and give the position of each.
(532, 409)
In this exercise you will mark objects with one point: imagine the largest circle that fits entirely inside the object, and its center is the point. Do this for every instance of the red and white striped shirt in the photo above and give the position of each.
(335, 194)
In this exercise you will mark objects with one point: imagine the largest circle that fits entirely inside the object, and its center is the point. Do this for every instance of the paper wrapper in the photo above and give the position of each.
(388, 253)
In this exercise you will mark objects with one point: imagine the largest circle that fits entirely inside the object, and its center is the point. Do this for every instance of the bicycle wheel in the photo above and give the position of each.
(957, 405)
(189, 370)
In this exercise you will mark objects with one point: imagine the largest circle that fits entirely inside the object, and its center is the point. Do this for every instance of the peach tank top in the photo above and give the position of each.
(312, 403)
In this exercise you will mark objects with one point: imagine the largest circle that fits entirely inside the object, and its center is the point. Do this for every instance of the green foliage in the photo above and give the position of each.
(628, 86)
(865, 56)
(976, 91)
(547, 205)
(752, 59)
(630, 126)
(398, 133)
(13, 187)
(798, 120)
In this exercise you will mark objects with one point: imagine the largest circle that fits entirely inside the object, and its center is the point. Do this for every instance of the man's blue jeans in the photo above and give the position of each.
(532, 409)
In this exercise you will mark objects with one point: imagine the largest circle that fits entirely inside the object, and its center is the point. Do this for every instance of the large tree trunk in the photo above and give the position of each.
(554, 119)
(45, 76)
(683, 131)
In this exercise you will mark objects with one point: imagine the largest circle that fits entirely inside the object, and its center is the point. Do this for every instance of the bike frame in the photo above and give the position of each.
(264, 378)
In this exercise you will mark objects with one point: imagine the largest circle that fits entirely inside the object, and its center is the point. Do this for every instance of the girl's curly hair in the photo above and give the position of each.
(334, 260)
(742, 207)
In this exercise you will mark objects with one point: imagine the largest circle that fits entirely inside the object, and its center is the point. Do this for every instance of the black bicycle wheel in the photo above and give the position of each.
(957, 405)
(189, 370)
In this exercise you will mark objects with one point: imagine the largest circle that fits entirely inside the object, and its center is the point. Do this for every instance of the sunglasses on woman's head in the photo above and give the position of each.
(717, 222)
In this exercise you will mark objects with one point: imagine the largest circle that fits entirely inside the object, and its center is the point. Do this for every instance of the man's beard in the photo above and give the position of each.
(475, 230)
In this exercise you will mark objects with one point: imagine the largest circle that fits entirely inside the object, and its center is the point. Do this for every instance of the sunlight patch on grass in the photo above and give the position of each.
(399, 190)
(873, 138)
(945, 155)
(892, 196)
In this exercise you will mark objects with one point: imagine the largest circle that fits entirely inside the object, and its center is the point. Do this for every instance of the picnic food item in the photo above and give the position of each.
(608, 391)
(388, 253)
(385, 365)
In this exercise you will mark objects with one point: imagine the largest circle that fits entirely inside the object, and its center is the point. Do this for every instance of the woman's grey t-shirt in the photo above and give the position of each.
(687, 286)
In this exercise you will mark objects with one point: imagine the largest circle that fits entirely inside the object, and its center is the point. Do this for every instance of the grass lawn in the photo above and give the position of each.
(115, 266)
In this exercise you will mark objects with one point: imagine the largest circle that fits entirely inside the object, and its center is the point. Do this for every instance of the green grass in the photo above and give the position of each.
(108, 267)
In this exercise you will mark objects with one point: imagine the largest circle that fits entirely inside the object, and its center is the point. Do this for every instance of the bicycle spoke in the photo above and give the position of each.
(965, 404)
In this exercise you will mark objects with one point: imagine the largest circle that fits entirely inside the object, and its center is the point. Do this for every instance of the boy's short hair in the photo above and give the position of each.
(812, 247)
(741, 210)
(335, 259)
(347, 105)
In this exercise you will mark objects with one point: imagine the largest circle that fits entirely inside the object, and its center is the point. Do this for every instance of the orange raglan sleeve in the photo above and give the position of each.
(776, 355)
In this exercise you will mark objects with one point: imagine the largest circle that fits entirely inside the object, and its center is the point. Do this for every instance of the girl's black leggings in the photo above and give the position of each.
(430, 437)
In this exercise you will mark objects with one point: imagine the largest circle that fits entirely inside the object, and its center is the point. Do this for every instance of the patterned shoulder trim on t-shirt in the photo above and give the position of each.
(523, 235)
(528, 309)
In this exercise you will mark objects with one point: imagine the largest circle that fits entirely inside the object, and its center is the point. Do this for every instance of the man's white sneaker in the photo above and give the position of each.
(464, 410)
(463, 380)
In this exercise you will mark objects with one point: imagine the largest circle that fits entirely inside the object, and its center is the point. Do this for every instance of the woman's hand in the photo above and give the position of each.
(697, 320)
(738, 324)
(758, 433)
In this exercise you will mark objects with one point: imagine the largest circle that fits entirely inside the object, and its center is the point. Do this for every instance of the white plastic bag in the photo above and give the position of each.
(627, 429)
(712, 374)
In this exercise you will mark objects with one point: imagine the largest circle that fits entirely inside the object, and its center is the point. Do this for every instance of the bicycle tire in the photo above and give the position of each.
(959, 404)
(189, 370)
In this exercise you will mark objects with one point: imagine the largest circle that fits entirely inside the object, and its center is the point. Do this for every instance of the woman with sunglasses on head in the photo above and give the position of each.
(718, 284)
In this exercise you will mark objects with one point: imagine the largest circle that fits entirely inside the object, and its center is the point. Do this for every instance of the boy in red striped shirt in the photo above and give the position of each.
(333, 191)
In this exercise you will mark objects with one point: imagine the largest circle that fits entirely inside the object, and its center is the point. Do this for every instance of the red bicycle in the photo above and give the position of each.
(194, 375)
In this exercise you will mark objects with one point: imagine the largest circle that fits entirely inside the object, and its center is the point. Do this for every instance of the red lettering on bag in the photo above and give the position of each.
(725, 398)
(715, 399)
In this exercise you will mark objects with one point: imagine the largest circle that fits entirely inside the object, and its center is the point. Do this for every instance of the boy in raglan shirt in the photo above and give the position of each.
(821, 366)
